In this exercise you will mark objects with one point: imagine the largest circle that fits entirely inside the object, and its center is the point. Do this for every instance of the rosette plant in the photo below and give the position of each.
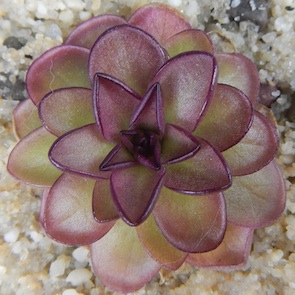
(151, 147)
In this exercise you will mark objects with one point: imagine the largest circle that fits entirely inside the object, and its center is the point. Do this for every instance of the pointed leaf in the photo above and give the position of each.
(29, 159)
(150, 115)
(87, 32)
(187, 82)
(60, 67)
(81, 151)
(255, 150)
(189, 40)
(118, 158)
(133, 60)
(238, 71)
(177, 145)
(102, 203)
(191, 223)
(157, 246)
(66, 109)
(68, 214)
(204, 172)
(25, 118)
(120, 262)
(231, 253)
(227, 119)
(114, 103)
(258, 199)
(159, 20)
(135, 191)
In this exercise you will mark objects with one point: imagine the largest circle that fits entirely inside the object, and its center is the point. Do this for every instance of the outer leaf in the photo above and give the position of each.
(68, 214)
(191, 224)
(150, 115)
(66, 109)
(159, 20)
(255, 150)
(87, 32)
(133, 60)
(135, 191)
(187, 82)
(189, 40)
(258, 199)
(102, 204)
(114, 103)
(120, 262)
(177, 145)
(29, 159)
(60, 67)
(231, 253)
(25, 118)
(157, 246)
(227, 119)
(204, 172)
(238, 71)
(81, 151)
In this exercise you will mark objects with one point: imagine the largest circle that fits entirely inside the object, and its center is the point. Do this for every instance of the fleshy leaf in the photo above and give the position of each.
(191, 223)
(240, 72)
(204, 172)
(118, 158)
(149, 115)
(25, 118)
(60, 67)
(114, 103)
(177, 145)
(68, 214)
(157, 246)
(81, 151)
(66, 109)
(86, 33)
(231, 253)
(255, 150)
(189, 40)
(102, 203)
(29, 159)
(133, 60)
(258, 199)
(159, 20)
(135, 191)
(120, 262)
(187, 82)
(227, 119)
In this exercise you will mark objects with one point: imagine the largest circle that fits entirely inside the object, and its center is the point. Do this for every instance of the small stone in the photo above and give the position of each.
(81, 254)
(79, 276)
(14, 42)
(57, 268)
(12, 235)
(70, 292)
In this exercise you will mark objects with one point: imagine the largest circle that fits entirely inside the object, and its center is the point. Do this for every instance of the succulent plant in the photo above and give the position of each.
(151, 148)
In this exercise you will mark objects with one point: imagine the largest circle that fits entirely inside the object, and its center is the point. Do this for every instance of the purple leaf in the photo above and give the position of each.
(66, 109)
(255, 150)
(258, 199)
(60, 67)
(114, 103)
(120, 262)
(68, 214)
(204, 172)
(128, 54)
(135, 191)
(227, 118)
(187, 82)
(191, 223)
(87, 32)
(159, 20)
(81, 151)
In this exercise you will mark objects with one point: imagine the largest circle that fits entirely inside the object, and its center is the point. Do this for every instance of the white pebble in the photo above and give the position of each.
(70, 292)
(57, 268)
(174, 2)
(81, 254)
(79, 276)
(235, 3)
(12, 235)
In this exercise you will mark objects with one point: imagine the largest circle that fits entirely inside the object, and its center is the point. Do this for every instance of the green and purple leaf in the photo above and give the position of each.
(192, 224)
(60, 67)
(120, 261)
